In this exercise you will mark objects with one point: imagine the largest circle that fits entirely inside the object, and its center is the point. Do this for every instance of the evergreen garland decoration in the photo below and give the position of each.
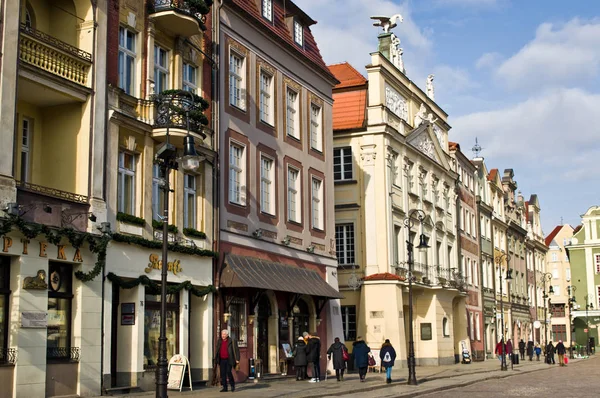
(155, 244)
(131, 219)
(194, 233)
(154, 287)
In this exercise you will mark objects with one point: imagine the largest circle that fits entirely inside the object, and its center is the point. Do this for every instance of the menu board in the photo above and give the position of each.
(176, 373)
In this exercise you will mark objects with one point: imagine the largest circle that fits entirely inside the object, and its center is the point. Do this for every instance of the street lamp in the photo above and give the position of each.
(590, 306)
(546, 278)
(166, 158)
(499, 260)
(414, 216)
(571, 291)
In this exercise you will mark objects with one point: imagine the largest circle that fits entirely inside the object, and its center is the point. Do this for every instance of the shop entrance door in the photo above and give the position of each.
(262, 336)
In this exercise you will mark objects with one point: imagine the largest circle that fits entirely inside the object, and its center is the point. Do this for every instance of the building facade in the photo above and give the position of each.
(278, 271)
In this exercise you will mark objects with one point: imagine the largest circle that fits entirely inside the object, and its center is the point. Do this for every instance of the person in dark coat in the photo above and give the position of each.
(522, 349)
(361, 352)
(530, 350)
(387, 356)
(550, 354)
(300, 360)
(314, 355)
(509, 349)
(227, 355)
(336, 350)
(561, 351)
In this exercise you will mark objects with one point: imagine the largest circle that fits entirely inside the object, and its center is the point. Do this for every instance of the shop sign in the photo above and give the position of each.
(34, 319)
(127, 314)
(156, 263)
(7, 243)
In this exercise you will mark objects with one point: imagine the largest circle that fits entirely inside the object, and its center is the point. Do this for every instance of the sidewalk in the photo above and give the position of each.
(430, 379)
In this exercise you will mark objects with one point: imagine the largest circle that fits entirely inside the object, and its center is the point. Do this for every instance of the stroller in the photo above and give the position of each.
(466, 357)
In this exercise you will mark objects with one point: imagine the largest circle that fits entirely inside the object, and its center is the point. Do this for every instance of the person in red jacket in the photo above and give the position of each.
(500, 350)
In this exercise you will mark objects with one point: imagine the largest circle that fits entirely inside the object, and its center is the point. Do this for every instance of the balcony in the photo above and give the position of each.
(54, 56)
(178, 17)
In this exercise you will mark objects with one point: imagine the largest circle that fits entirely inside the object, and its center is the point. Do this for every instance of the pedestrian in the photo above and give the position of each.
(306, 337)
(387, 354)
(500, 350)
(300, 360)
(538, 351)
(361, 357)
(227, 355)
(522, 348)
(336, 350)
(550, 354)
(313, 355)
(561, 351)
(509, 350)
(530, 350)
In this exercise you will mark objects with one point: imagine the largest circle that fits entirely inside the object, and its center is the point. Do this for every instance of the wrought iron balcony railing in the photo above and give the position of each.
(63, 353)
(182, 6)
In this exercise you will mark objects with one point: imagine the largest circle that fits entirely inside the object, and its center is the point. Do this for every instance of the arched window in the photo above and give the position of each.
(471, 324)
(29, 16)
(477, 328)
(445, 327)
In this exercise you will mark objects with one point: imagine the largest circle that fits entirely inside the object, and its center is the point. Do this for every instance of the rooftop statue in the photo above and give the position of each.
(387, 23)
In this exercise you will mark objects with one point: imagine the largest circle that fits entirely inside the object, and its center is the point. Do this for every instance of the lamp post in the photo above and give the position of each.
(546, 277)
(499, 260)
(166, 158)
(571, 292)
(588, 305)
(414, 216)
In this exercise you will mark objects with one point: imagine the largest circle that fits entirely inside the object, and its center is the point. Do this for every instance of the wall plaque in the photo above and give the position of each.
(34, 319)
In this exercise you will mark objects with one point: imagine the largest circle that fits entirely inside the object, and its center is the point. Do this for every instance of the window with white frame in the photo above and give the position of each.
(397, 242)
(317, 203)
(344, 243)
(26, 139)
(161, 69)
(267, 193)
(472, 325)
(556, 290)
(342, 164)
(316, 130)
(127, 59)
(126, 183)
(554, 256)
(477, 328)
(267, 9)
(190, 79)
(555, 273)
(568, 274)
(236, 175)
(158, 195)
(292, 119)
(293, 197)
(266, 107)
(445, 327)
(189, 201)
(597, 258)
(298, 33)
(237, 88)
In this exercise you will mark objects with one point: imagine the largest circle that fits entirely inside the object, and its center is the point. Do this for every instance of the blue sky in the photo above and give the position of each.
(521, 75)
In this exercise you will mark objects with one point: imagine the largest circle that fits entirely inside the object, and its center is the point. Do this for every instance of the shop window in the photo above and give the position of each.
(349, 322)
(445, 327)
(426, 331)
(4, 300)
(60, 297)
(301, 317)
(152, 327)
(237, 322)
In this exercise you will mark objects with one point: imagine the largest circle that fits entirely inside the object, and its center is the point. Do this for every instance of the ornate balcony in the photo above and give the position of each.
(179, 17)
(47, 53)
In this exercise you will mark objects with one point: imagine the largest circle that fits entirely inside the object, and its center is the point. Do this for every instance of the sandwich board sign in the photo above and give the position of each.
(178, 364)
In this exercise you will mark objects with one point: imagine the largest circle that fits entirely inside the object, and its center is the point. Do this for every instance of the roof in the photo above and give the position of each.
(347, 75)
(384, 276)
(492, 175)
(453, 146)
(349, 109)
(251, 272)
(552, 234)
(577, 228)
(280, 29)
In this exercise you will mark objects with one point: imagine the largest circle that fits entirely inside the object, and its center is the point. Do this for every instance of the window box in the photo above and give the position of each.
(198, 238)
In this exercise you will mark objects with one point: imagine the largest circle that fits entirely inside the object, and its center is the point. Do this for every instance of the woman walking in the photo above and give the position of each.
(300, 360)
(538, 351)
(388, 356)
(361, 357)
(336, 350)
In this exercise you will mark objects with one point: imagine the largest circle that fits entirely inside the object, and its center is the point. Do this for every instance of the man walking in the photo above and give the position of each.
(561, 351)
(314, 356)
(550, 354)
(227, 355)
(522, 349)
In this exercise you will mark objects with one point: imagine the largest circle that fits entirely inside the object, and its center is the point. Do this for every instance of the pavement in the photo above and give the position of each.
(430, 380)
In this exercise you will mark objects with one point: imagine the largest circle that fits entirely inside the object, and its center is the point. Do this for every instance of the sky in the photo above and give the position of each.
(520, 75)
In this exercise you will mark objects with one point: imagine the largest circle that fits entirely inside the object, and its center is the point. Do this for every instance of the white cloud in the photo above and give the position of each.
(468, 3)
(558, 55)
(488, 60)
(452, 80)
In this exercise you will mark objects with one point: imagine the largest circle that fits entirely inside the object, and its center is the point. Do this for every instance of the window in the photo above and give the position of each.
(126, 183)
(471, 326)
(397, 235)
(316, 135)
(349, 322)
(237, 91)
(4, 301)
(237, 321)
(317, 203)
(60, 295)
(267, 193)
(291, 114)
(559, 332)
(293, 201)
(557, 310)
(127, 57)
(555, 273)
(554, 257)
(568, 274)
(26, 139)
(267, 9)
(151, 318)
(342, 164)
(189, 78)
(344, 243)
(426, 331)
(477, 328)
(298, 33)
(189, 201)
(236, 161)
(266, 98)
(396, 175)
(158, 195)
(161, 69)
(556, 289)
(597, 258)
(28, 18)
(445, 327)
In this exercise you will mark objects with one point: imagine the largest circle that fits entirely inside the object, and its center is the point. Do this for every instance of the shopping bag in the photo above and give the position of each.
(372, 360)
(566, 359)
(345, 356)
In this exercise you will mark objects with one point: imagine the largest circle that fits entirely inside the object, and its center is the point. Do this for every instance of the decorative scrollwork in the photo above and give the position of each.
(55, 193)
(8, 356)
(63, 353)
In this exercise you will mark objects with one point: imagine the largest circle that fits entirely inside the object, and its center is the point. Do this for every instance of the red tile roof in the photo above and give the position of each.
(492, 175)
(280, 28)
(554, 232)
(385, 276)
(349, 109)
(577, 228)
(453, 146)
(347, 75)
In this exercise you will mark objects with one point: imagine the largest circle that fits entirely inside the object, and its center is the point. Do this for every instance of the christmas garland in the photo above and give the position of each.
(155, 244)
(154, 288)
